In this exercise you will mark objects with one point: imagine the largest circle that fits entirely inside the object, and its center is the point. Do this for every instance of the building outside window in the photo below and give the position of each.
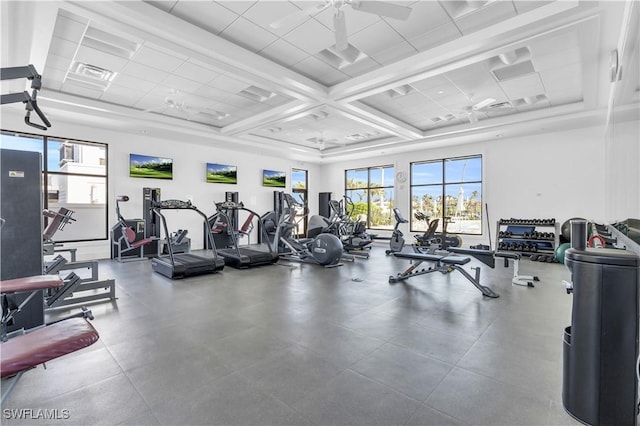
(75, 177)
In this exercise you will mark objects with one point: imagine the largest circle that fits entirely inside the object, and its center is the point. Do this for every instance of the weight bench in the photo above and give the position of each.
(523, 280)
(443, 264)
(24, 352)
(488, 258)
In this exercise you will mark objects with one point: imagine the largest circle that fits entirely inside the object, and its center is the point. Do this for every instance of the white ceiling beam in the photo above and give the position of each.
(150, 23)
(266, 118)
(362, 113)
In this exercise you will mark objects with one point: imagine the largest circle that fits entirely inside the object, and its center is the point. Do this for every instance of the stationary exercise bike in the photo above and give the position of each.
(396, 244)
(432, 240)
(320, 247)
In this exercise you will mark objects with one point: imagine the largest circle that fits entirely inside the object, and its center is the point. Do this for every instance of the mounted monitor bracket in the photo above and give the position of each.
(29, 100)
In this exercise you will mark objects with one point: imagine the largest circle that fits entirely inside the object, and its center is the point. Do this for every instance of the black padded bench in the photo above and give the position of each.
(443, 264)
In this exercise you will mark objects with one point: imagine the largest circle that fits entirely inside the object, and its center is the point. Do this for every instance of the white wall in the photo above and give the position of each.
(623, 164)
(537, 176)
(189, 163)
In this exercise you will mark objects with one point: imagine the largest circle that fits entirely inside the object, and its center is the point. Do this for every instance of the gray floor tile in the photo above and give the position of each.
(404, 370)
(351, 399)
(291, 375)
(427, 416)
(247, 347)
(480, 400)
(232, 400)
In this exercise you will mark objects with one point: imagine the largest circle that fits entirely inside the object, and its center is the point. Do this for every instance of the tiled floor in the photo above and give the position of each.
(298, 344)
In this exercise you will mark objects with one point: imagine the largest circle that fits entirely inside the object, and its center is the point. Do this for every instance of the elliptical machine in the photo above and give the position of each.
(319, 247)
(396, 244)
(432, 240)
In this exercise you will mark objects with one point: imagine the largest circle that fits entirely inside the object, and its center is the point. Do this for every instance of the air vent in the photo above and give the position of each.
(357, 137)
(500, 105)
(90, 75)
(400, 91)
(318, 115)
(218, 115)
(342, 58)
(256, 94)
(513, 71)
(440, 118)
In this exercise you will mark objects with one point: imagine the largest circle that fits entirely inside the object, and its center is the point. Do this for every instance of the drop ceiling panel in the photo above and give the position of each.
(122, 95)
(492, 13)
(377, 37)
(318, 70)
(237, 6)
(81, 90)
(394, 53)
(248, 35)
(57, 62)
(425, 16)
(181, 84)
(195, 72)
(228, 83)
(134, 83)
(520, 87)
(144, 72)
(360, 67)
(165, 5)
(52, 78)
(438, 36)
(62, 47)
(266, 13)
(283, 53)
(205, 14)
(69, 29)
(156, 59)
(311, 37)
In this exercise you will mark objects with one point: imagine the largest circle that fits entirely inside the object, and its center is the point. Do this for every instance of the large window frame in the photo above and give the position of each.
(300, 191)
(442, 191)
(375, 191)
(48, 174)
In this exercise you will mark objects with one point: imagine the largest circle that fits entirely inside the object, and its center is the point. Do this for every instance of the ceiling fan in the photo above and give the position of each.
(471, 112)
(381, 8)
(174, 101)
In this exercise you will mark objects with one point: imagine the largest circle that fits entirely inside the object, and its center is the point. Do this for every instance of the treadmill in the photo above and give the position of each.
(243, 257)
(183, 265)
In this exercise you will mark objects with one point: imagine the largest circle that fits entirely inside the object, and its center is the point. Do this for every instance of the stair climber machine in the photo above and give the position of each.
(319, 247)
(227, 234)
(182, 265)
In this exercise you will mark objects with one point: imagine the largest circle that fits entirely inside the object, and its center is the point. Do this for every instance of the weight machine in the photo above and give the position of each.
(29, 72)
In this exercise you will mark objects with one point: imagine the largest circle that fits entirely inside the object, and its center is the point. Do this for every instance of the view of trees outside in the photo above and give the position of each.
(449, 187)
(299, 193)
(372, 192)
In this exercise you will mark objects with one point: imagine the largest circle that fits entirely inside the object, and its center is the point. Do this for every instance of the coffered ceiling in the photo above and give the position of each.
(284, 76)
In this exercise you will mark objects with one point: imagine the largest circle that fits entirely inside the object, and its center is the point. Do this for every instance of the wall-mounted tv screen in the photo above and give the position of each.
(274, 179)
(145, 166)
(221, 173)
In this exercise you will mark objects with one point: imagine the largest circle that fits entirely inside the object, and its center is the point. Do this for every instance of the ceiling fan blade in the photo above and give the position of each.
(388, 10)
(299, 16)
(484, 103)
(340, 28)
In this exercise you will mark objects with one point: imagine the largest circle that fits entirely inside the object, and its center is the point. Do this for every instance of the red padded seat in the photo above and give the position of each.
(47, 343)
(36, 282)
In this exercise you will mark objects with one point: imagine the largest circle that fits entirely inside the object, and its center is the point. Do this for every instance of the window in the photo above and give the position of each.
(372, 193)
(450, 187)
(300, 190)
(75, 177)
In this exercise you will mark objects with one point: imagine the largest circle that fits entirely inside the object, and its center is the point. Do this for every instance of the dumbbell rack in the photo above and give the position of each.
(523, 243)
